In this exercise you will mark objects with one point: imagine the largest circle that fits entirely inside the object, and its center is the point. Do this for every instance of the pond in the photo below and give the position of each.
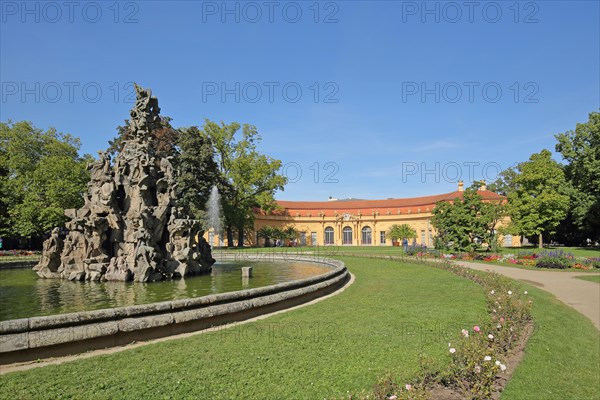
(23, 294)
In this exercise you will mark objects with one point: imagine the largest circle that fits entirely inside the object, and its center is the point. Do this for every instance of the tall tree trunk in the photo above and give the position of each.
(229, 236)
(240, 237)
(540, 241)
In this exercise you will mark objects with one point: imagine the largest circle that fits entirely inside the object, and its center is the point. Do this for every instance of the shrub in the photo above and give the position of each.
(528, 262)
(554, 259)
(581, 266)
(593, 262)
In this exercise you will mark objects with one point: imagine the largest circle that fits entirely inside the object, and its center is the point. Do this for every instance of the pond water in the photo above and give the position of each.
(23, 294)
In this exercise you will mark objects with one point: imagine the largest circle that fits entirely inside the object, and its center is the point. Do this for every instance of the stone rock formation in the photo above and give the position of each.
(50, 262)
(129, 227)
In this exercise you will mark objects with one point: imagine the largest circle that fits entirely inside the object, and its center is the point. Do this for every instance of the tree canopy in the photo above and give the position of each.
(197, 171)
(42, 175)
(466, 223)
(251, 178)
(539, 201)
(403, 231)
(581, 149)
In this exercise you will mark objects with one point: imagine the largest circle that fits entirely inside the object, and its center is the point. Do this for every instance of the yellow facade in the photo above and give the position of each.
(357, 222)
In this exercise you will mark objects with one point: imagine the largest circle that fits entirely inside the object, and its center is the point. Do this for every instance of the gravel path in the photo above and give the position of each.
(583, 296)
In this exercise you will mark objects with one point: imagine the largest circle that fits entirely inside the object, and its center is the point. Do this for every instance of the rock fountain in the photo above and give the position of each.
(129, 227)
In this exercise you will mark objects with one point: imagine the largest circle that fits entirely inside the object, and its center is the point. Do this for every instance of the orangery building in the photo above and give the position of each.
(354, 222)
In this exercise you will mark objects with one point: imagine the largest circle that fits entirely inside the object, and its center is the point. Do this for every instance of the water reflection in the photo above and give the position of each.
(23, 294)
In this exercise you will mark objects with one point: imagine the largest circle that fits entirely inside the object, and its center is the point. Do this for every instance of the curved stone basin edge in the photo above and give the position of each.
(35, 338)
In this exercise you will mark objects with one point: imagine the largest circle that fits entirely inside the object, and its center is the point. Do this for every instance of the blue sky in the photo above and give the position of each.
(358, 99)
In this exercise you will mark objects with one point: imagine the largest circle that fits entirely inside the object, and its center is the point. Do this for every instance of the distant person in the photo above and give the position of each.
(405, 244)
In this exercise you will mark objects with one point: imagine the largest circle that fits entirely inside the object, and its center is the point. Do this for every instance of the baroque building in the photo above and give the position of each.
(359, 222)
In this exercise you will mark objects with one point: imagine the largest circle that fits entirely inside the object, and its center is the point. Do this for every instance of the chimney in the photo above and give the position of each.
(461, 186)
(483, 185)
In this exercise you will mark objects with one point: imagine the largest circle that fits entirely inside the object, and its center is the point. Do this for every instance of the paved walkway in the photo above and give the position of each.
(583, 296)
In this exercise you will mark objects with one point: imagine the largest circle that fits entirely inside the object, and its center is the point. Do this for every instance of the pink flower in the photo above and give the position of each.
(491, 337)
(487, 358)
(477, 369)
(452, 350)
(465, 333)
(408, 387)
(476, 328)
(393, 397)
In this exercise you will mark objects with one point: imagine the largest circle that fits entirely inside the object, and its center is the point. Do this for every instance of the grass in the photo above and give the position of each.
(562, 358)
(591, 278)
(391, 314)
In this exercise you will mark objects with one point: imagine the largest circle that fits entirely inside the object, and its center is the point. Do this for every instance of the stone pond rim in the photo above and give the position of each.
(129, 227)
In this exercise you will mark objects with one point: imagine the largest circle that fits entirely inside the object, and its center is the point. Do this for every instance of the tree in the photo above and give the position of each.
(267, 233)
(403, 231)
(466, 223)
(581, 149)
(251, 177)
(505, 182)
(164, 139)
(290, 233)
(539, 201)
(197, 171)
(43, 175)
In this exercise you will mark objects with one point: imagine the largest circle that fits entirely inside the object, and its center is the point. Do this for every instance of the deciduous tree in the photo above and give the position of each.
(539, 201)
(251, 176)
(43, 175)
(581, 149)
(466, 223)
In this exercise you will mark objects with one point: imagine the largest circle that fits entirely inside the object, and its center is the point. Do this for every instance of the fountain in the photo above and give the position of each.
(213, 212)
(129, 227)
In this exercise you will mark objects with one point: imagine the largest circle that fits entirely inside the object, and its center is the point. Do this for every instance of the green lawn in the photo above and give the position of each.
(591, 278)
(390, 315)
(562, 358)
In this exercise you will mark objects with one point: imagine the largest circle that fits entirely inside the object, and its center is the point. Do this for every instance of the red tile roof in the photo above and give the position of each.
(367, 207)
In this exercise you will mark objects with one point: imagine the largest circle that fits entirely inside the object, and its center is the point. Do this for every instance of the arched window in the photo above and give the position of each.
(347, 235)
(329, 235)
(367, 235)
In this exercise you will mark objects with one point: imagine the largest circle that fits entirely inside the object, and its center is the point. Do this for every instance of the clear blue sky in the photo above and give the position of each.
(395, 96)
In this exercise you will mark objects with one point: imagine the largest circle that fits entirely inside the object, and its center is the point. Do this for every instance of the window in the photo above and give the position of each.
(423, 236)
(382, 237)
(329, 235)
(302, 238)
(367, 235)
(211, 238)
(313, 238)
(347, 235)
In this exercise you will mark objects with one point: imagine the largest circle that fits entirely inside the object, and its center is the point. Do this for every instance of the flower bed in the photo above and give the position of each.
(558, 259)
(19, 253)
(479, 354)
